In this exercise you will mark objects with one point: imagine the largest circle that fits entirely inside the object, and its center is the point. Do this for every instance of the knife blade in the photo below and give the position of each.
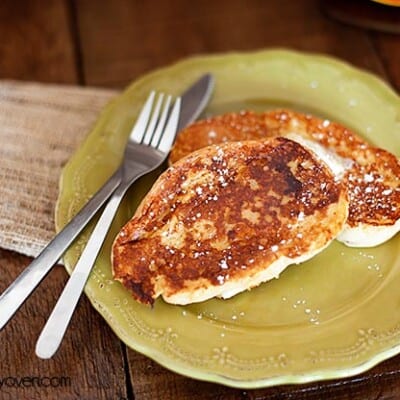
(194, 100)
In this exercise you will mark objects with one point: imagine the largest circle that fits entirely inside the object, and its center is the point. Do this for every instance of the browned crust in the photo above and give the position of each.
(241, 205)
(373, 181)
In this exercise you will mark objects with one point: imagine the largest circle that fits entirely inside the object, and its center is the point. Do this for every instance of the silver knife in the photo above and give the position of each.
(194, 100)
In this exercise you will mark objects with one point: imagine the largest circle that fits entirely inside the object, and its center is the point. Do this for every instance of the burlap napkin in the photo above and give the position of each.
(40, 127)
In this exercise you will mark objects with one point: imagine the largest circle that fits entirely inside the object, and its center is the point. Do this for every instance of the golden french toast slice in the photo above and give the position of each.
(230, 127)
(373, 178)
(226, 218)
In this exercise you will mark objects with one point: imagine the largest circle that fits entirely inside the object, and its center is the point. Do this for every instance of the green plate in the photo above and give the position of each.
(331, 317)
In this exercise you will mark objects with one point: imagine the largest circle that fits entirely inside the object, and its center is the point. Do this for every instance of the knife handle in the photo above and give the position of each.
(15, 295)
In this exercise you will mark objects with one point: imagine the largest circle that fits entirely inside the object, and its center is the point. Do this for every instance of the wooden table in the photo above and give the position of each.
(108, 43)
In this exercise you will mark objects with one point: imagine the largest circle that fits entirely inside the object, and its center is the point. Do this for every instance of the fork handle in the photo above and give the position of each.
(54, 330)
(15, 295)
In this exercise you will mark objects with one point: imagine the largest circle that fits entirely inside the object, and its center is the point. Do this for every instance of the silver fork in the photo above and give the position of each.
(148, 147)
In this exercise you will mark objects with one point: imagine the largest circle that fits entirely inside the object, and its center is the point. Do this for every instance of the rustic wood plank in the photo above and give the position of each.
(122, 39)
(367, 14)
(381, 382)
(388, 47)
(152, 381)
(385, 23)
(90, 359)
(36, 41)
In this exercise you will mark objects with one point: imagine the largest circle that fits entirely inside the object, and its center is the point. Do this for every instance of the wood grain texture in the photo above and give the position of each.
(388, 47)
(123, 39)
(36, 41)
(152, 381)
(90, 355)
(367, 14)
(383, 27)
